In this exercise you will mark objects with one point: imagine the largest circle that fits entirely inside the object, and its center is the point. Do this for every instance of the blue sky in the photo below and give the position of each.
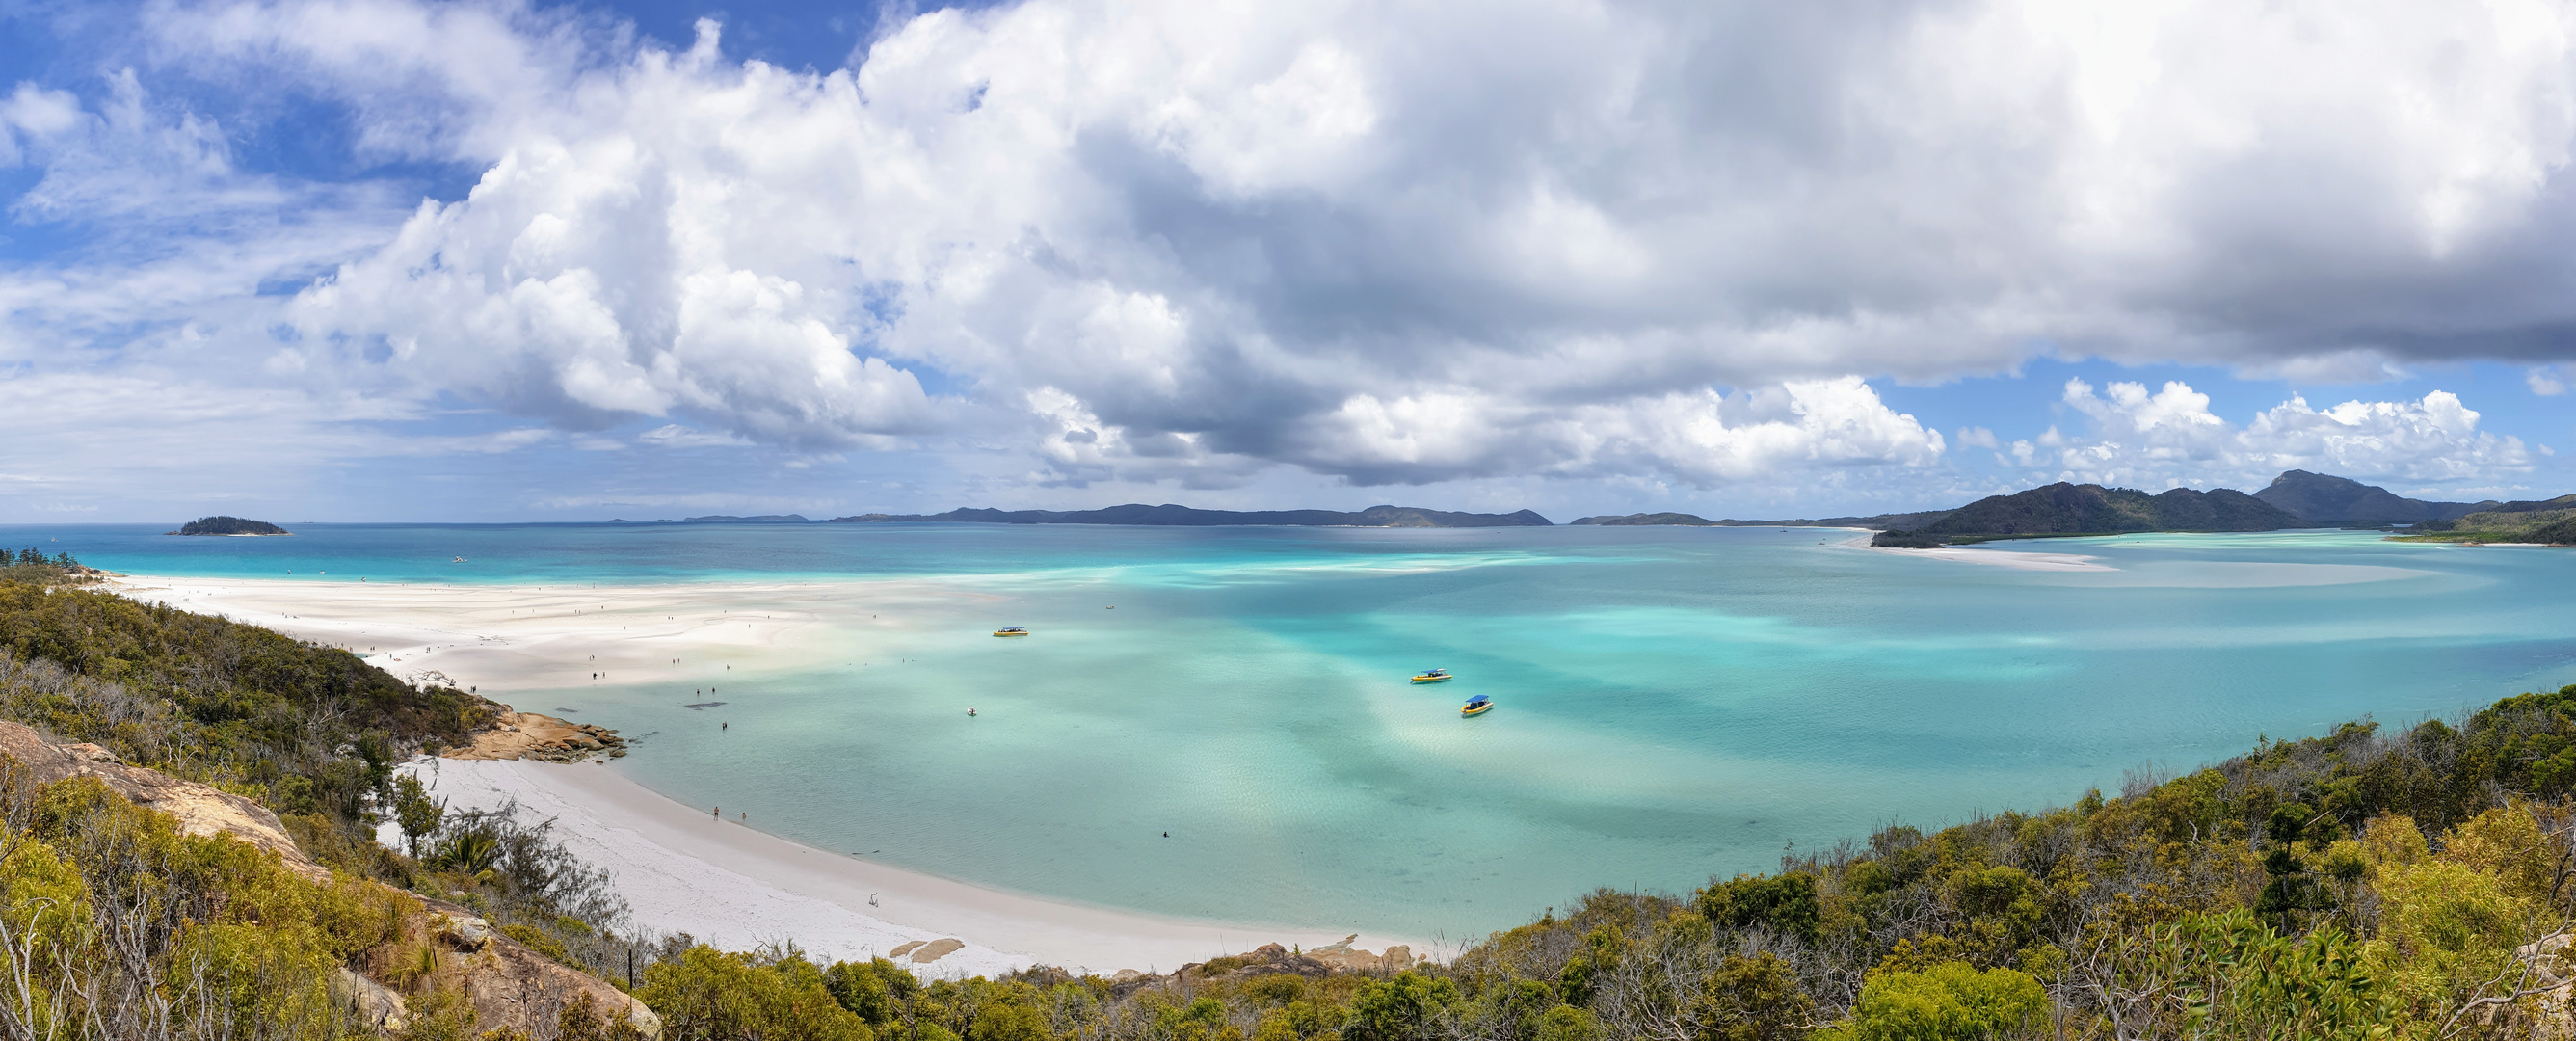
(382, 259)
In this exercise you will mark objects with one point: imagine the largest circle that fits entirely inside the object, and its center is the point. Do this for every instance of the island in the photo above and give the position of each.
(766, 518)
(1691, 520)
(222, 525)
(2091, 509)
(1172, 516)
(2344, 502)
(2548, 522)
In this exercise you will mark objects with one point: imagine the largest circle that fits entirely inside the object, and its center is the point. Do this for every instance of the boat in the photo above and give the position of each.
(458, 560)
(1433, 676)
(1016, 630)
(1476, 706)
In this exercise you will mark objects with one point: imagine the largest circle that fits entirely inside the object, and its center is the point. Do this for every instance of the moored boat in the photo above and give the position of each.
(1016, 630)
(1476, 706)
(1433, 676)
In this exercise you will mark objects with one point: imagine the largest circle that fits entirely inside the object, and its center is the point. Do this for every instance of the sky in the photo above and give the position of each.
(377, 260)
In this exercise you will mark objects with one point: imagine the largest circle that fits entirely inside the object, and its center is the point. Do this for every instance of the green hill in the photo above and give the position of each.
(222, 525)
(1637, 519)
(2327, 499)
(2551, 521)
(2090, 509)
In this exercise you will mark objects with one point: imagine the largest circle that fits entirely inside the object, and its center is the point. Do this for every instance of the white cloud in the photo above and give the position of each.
(1166, 240)
(2169, 437)
(2548, 381)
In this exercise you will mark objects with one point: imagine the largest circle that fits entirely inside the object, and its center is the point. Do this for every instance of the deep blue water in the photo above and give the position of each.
(1675, 703)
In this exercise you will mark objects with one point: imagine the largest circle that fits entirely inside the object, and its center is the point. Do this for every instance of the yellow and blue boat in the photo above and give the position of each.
(1433, 676)
(1476, 706)
(1016, 630)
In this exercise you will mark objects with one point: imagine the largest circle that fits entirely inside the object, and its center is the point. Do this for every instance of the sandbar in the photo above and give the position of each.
(679, 868)
(2020, 560)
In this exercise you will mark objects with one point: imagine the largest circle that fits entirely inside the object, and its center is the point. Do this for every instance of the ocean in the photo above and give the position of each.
(1674, 704)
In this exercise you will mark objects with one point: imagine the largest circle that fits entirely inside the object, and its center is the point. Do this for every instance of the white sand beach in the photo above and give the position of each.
(679, 868)
(2011, 558)
(2020, 560)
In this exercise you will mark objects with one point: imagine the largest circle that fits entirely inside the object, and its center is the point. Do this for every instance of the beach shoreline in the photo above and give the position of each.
(681, 868)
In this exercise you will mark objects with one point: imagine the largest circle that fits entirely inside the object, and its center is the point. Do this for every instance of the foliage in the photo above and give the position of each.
(305, 728)
(711, 995)
(125, 927)
(1951, 1001)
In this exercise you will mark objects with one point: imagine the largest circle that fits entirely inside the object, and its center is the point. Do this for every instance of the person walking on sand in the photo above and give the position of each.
(717, 813)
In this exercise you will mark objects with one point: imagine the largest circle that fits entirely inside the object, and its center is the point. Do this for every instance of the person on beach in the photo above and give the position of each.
(717, 813)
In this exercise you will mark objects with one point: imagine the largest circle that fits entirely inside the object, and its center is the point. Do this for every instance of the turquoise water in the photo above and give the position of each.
(1674, 703)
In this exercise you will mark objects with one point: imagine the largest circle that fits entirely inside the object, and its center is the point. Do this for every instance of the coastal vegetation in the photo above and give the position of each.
(2544, 521)
(223, 525)
(31, 566)
(2370, 882)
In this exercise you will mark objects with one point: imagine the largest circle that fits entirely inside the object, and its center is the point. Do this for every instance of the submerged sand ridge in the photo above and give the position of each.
(682, 868)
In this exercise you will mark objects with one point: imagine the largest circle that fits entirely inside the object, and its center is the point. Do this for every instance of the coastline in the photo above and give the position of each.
(671, 860)
(679, 868)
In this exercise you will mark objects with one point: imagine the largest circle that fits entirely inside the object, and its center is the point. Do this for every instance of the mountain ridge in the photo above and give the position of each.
(2327, 499)
(2091, 509)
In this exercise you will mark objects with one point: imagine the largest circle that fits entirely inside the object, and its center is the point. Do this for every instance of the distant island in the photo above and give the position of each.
(1171, 516)
(766, 518)
(1692, 520)
(2344, 502)
(228, 526)
(2091, 509)
(2546, 521)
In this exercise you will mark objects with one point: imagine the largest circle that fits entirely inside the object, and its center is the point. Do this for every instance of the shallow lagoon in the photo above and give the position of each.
(1675, 703)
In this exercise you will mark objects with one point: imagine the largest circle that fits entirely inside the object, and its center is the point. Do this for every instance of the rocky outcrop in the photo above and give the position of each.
(200, 809)
(371, 1004)
(1270, 959)
(511, 986)
(530, 735)
(923, 952)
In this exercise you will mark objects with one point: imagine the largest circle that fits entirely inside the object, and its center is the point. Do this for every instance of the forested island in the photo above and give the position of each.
(2296, 499)
(222, 525)
(2544, 521)
(1169, 515)
(1690, 520)
(2365, 883)
(2091, 509)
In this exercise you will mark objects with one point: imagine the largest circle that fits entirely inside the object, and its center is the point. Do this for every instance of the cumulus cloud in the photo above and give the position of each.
(2169, 437)
(1169, 240)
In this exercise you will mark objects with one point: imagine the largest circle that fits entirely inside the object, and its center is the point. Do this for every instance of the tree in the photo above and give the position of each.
(415, 812)
(1399, 1009)
(1951, 1001)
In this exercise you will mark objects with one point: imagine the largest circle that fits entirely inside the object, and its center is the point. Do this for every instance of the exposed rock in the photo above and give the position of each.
(200, 809)
(937, 949)
(531, 735)
(372, 1004)
(1271, 959)
(511, 987)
